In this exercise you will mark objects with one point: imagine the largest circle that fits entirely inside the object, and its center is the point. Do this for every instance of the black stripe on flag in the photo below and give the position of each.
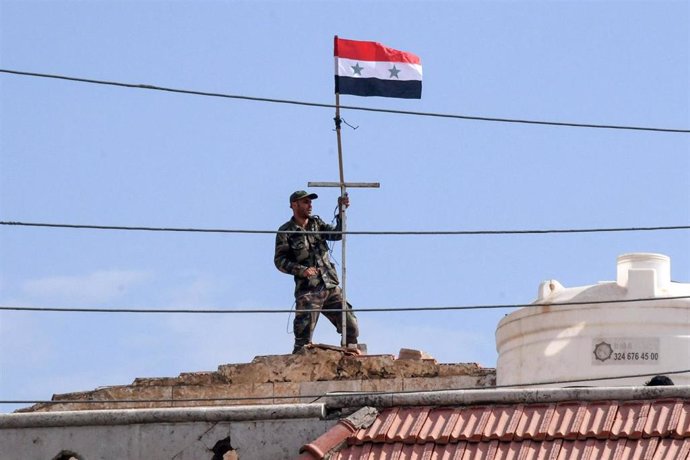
(407, 89)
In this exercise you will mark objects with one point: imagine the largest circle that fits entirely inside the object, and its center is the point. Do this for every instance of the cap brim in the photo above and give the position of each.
(311, 196)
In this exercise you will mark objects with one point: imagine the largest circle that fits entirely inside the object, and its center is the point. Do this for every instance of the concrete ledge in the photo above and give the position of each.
(164, 415)
(336, 401)
(503, 396)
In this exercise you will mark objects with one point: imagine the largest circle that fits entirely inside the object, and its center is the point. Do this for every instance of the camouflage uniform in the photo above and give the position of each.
(294, 253)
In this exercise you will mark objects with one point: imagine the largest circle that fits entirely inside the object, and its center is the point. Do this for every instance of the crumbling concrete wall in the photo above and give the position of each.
(278, 379)
(270, 440)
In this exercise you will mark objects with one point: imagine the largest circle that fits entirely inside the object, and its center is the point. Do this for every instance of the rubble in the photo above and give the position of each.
(275, 379)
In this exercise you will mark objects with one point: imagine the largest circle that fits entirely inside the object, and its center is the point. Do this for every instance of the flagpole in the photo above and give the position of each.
(408, 88)
(343, 221)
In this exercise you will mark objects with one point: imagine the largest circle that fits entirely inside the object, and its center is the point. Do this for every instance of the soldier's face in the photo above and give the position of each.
(302, 208)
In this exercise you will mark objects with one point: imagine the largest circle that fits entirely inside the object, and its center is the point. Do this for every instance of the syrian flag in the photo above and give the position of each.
(372, 69)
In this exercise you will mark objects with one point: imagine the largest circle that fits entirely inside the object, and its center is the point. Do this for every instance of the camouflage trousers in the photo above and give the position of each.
(330, 303)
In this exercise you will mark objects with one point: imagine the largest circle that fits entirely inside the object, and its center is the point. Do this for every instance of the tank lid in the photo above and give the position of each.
(643, 273)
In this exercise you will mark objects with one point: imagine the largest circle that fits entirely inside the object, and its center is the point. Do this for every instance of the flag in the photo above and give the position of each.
(372, 69)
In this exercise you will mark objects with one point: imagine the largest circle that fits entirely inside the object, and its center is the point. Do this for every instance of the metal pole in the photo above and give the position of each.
(343, 223)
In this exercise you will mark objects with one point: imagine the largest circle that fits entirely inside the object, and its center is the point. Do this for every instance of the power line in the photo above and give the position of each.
(337, 393)
(315, 104)
(349, 232)
(592, 379)
(358, 310)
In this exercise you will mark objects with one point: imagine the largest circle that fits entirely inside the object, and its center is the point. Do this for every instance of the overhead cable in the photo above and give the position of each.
(358, 310)
(315, 104)
(349, 232)
(336, 393)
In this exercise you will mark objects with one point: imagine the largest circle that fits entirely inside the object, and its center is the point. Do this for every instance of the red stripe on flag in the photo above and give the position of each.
(371, 51)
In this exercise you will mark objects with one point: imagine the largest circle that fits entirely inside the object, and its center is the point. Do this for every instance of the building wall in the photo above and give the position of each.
(280, 439)
(247, 432)
(250, 407)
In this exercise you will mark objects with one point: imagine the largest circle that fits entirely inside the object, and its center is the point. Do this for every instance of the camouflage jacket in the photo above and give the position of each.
(295, 252)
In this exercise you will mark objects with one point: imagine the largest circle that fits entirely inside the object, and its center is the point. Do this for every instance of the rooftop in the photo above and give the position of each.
(596, 423)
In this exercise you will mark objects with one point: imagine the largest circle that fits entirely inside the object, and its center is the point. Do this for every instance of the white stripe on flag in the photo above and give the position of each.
(376, 69)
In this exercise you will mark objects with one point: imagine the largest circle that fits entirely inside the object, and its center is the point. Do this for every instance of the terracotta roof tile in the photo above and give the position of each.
(562, 422)
(639, 449)
(523, 448)
(505, 452)
(641, 421)
(624, 430)
(397, 451)
(650, 448)
(415, 452)
(534, 421)
(407, 424)
(588, 450)
(482, 450)
(552, 449)
(355, 453)
(371, 433)
(662, 415)
(470, 424)
(572, 450)
(598, 420)
(671, 448)
(390, 451)
(502, 422)
(557, 449)
(682, 429)
(605, 449)
(514, 422)
(428, 450)
(444, 452)
(438, 425)
(390, 419)
(626, 419)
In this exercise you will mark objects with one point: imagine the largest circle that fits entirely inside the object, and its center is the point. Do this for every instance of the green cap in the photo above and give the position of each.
(299, 194)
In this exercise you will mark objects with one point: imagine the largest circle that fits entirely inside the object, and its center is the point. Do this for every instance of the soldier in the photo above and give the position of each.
(305, 256)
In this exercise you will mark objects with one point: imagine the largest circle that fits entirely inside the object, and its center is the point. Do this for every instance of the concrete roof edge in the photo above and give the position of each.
(337, 401)
(504, 396)
(162, 415)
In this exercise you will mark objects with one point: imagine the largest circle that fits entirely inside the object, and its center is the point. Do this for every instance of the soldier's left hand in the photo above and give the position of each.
(344, 201)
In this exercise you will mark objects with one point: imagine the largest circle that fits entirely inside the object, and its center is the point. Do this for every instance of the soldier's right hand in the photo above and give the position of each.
(311, 271)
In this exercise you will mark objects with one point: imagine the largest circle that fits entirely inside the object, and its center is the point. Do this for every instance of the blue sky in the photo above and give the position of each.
(86, 154)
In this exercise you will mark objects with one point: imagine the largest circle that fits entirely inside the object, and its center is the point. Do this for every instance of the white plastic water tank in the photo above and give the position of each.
(591, 341)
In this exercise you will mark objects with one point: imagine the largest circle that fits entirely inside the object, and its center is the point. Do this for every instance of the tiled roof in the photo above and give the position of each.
(596, 430)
